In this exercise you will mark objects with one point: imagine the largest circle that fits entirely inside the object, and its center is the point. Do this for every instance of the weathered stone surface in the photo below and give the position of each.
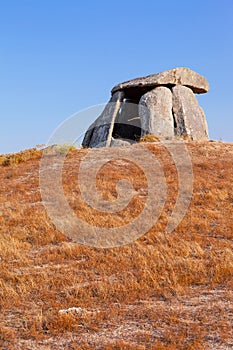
(176, 76)
(189, 116)
(88, 135)
(204, 123)
(98, 132)
(155, 110)
(99, 136)
(119, 143)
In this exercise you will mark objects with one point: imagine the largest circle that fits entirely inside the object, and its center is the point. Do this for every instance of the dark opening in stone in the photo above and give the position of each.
(128, 124)
(174, 122)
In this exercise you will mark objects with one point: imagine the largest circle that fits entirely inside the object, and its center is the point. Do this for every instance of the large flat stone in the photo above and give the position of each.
(189, 116)
(155, 111)
(176, 76)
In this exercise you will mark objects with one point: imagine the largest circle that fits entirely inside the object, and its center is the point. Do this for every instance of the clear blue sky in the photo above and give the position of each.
(60, 56)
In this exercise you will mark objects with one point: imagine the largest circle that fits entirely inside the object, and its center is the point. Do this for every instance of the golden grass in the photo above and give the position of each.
(149, 138)
(164, 291)
(20, 157)
(152, 138)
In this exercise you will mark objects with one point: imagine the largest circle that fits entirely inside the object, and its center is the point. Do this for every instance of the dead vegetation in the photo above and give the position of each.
(164, 291)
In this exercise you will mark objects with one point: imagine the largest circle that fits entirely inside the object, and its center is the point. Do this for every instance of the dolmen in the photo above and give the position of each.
(163, 105)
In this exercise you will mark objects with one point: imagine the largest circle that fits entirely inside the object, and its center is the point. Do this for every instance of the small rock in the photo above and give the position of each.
(119, 143)
(74, 310)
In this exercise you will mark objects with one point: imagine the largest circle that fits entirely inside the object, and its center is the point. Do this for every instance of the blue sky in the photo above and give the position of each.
(58, 57)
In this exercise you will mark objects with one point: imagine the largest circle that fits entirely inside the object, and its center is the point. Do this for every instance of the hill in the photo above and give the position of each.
(163, 291)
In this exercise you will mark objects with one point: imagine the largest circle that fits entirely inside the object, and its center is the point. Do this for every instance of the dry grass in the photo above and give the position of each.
(164, 291)
(152, 138)
(20, 157)
(149, 138)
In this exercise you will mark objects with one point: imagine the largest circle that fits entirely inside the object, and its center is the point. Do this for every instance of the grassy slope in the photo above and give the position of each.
(164, 291)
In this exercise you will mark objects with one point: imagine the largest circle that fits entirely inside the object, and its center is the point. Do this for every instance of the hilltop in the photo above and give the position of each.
(163, 291)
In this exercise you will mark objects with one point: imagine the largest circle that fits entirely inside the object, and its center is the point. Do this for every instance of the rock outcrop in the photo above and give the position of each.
(162, 104)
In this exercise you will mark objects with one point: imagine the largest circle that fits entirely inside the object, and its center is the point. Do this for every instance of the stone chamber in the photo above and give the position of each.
(163, 105)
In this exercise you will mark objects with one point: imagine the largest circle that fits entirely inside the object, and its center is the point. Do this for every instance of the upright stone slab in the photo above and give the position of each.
(97, 134)
(155, 111)
(189, 117)
(205, 123)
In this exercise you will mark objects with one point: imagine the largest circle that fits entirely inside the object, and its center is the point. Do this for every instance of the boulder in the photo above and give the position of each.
(175, 76)
(155, 111)
(189, 118)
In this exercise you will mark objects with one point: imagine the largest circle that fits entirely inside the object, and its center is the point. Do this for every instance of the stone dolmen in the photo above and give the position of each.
(163, 105)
